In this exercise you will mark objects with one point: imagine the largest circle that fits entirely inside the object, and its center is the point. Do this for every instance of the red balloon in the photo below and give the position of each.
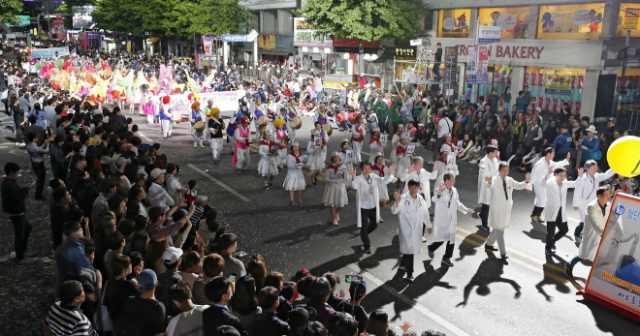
(190, 96)
(166, 100)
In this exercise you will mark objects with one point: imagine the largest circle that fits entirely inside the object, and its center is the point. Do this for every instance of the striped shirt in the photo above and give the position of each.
(198, 293)
(165, 281)
(68, 322)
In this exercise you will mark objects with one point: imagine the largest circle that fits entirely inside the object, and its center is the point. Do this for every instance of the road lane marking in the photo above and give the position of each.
(224, 186)
(415, 304)
(144, 137)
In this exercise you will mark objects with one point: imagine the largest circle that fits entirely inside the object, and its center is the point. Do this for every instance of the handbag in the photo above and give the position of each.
(597, 155)
(101, 320)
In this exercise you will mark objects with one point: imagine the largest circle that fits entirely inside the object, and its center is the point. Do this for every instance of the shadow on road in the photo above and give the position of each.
(489, 271)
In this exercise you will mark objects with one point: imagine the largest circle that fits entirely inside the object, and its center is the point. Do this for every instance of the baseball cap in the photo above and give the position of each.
(147, 279)
(613, 120)
(121, 160)
(201, 198)
(155, 173)
(172, 254)
(538, 109)
(358, 289)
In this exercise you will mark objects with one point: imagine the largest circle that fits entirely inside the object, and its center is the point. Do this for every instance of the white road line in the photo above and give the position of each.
(415, 304)
(213, 179)
(145, 137)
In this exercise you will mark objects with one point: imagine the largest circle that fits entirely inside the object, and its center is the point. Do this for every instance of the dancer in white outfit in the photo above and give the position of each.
(347, 157)
(375, 145)
(395, 142)
(215, 128)
(317, 150)
(381, 170)
(294, 181)
(335, 193)
(282, 138)
(195, 116)
(268, 167)
(357, 137)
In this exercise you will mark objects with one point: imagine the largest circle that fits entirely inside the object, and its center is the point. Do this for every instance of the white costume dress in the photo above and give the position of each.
(374, 148)
(335, 193)
(279, 136)
(295, 178)
(267, 166)
(357, 140)
(395, 142)
(383, 190)
(317, 154)
(403, 162)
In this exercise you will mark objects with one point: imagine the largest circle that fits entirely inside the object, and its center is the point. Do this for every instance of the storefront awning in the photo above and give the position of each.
(153, 39)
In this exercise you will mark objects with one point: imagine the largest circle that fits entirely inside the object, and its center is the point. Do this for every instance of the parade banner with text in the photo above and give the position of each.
(615, 274)
(49, 52)
(224, 100)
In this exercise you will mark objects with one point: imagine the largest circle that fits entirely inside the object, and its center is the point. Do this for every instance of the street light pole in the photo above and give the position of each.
(622, 90)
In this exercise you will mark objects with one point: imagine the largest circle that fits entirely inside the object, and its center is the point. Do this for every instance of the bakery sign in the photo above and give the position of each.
(508, 51)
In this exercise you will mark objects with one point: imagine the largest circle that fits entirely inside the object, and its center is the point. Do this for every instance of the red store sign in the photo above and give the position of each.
(508, 51)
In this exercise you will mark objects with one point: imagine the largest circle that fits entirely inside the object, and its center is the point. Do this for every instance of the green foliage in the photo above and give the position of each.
(215, 16)
(9, 9)
(366, 20)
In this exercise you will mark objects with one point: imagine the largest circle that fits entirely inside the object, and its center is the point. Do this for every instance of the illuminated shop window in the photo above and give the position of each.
(570, 22)
(454, 22)
(512, 20)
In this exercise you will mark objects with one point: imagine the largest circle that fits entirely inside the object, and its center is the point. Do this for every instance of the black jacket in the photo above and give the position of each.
(268, 324)
(13, 197)
(215, 316)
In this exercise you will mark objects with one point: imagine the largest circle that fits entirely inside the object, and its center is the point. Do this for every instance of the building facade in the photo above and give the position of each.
(273, 20)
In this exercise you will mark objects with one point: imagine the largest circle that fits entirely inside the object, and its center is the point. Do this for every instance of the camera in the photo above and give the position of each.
(349, 278)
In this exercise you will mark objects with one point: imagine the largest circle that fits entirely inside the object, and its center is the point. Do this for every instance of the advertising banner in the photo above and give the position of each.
(631, 16)
(49, 52)
(558, 85)
(305, 36)
(224, 100)
(478, 65)
(451, 63)
(615, 274)
(489, 33)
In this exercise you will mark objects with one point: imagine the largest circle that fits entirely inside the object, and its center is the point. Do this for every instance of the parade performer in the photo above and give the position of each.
(335, 192)
(404, 160)
(413, 213)
(556, 198)
(282, 138)
(165, 117)
(317, 150)
(216, 126)
(292, 113)
(257, 113)
(294, 181)
(501, 188)
(321, 116)
(347, 158)
(538, 172)
(395, 142)
(368, 199)
(241, 158)
(445, 164)
(195, 116)
(381, 170)
(375, 145)
(268, 166)
(585, 192)
(446, 201)
(488, 167)
(357, 137)
(416, 172)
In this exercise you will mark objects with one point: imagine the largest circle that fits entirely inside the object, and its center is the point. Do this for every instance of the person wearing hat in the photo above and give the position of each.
(143, 314)
(611, 126)
(413, 213)
(171, 259)
(165, 117)
(317, 149)
(241, 155)
(282, 139)
(590, 145)
(395, 142)
(157, 195)
(335, 192)
(375, 145)
(446, 163)
(195, 116)
(357, 292)
(257, 113)
(215, 126)
(562, 143)
(268, 166)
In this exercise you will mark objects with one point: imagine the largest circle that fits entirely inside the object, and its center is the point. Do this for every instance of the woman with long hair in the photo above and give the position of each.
(257, 269)
(378, 323)
(244, 303)
(153, 255)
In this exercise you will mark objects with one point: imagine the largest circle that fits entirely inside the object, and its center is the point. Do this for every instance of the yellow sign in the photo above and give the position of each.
(336, 85)
(631, 16)
(558, 85)
(267, 42)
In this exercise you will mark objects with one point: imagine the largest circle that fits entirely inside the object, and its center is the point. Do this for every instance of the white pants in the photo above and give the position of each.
(292, 133)
(357, 148)
(150, 118)
(282, 157)
(258, 133)
(167, 127)
(243, 158)
(198, 137)
(497, 234)
(216, 147)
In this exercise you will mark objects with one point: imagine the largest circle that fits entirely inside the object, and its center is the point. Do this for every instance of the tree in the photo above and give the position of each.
(215, 16)
(9, 9)
(366, 20)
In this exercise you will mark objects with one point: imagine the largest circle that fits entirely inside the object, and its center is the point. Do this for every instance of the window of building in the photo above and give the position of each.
(454, 22)
(628, 19)
(570, 22)
(551, 87)
(512, 20)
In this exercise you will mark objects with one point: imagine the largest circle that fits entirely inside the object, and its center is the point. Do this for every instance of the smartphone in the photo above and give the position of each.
(232, 277)
(349, 278)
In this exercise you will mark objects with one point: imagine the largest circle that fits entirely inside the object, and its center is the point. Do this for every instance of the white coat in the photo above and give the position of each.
(500, 210)
(445, 216)
(423, 177)
(412, 214)
(556, 197)
(594, 224)
(540, 169)
(489, 167)
(585, 191)
(360, 185)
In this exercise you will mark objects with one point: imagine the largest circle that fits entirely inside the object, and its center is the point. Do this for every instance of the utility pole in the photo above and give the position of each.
(622, 91)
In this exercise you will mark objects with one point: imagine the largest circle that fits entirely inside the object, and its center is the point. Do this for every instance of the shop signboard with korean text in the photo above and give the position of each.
(558, 85)
(49, 52)
(478, 65)
(405, 52)
(487, 34)
(305, 36)
(630, 20)
(615, 274)
(451, 63)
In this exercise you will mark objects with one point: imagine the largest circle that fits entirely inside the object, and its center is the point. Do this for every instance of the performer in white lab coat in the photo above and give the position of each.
(335, 193)
(447, 201)
(368, 200)
(381, 170)
(268, 166)
(488, 167)
(585, 192)
(294, 181)
(556, 212)
(317, 149)
(416, 172)
(501, 188)
(538, 172)
(195, 116)
(413, 212)
(595, 221)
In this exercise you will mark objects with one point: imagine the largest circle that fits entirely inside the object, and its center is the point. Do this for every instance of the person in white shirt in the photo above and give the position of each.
(368, 200)
(157, 195)
(444, 127)
(538, 172)
(189, 321)
(446, 218)
(585, 193)
(335, 192)
(488, 167)
(556, 214)
(501, 188)
(413, 213)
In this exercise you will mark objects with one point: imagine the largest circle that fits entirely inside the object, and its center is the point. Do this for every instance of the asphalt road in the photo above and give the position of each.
(477, 296)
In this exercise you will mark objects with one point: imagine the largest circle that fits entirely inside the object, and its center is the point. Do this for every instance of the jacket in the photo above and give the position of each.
(13, 197)
(556, 197)
(592, 145)
(216, 316)
(562, 143)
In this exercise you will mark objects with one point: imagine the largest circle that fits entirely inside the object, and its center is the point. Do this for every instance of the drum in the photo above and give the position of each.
(263, 121)
(199, 126)
(176, 117)
(296, 123)
(327, 128)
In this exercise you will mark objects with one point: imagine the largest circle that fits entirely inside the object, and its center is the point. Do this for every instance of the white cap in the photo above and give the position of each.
(172, 254)
(592, 129)
(156, 172)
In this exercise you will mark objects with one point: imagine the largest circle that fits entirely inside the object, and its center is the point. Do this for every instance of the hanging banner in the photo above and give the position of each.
(558, 85)
(451, 63)
(615, 274)
(478, 66)
(224, 100)
(49, 52)
(305, 36)
(631, 16)
(489, 34)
